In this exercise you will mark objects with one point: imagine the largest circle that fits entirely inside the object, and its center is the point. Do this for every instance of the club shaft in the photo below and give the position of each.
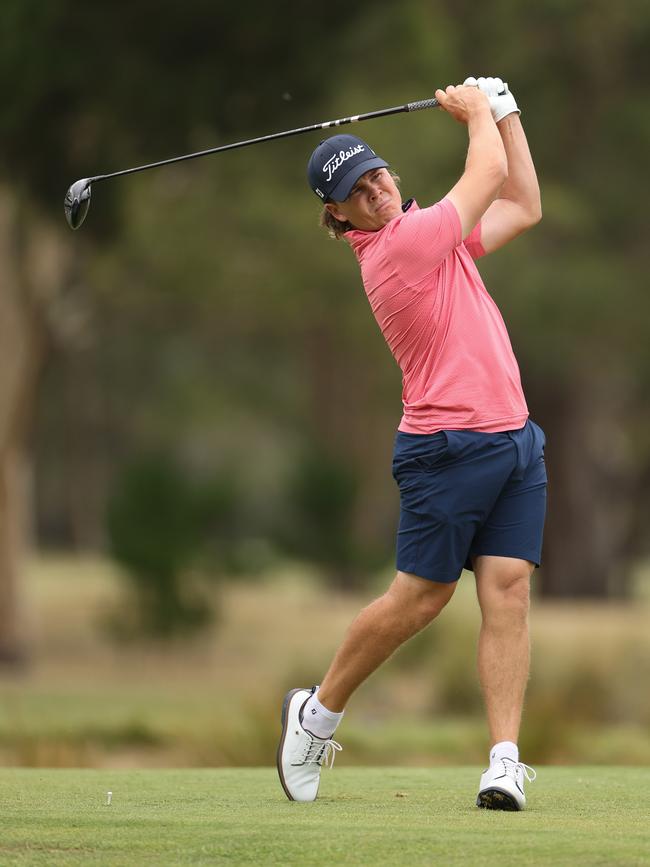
(342, 121)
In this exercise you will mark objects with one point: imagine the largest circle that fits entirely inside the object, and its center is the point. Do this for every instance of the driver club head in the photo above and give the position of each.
(77, 202)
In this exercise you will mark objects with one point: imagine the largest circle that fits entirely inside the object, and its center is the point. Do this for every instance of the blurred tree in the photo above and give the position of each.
(161, 524)
(96, 87)
(322, 494)
(31, 265)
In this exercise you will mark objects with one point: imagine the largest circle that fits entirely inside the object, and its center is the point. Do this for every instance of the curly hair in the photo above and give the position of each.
(337, 228)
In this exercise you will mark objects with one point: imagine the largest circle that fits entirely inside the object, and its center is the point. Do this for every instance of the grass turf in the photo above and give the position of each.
(392, 816)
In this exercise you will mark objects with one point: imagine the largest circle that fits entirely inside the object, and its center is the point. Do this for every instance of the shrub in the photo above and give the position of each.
(160, 526)
(322, 494)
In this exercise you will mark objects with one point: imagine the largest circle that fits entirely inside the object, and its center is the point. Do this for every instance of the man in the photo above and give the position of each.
(468, 462)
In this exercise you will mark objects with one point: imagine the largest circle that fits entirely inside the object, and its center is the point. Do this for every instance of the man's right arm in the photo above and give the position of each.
(486, 167)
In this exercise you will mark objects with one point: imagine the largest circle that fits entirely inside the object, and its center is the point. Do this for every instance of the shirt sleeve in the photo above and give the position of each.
(423, 240)
(473, 242)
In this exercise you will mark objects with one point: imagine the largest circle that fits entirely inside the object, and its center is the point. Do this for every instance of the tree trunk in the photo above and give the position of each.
(12, 501)
(31, 265)
(592, 490)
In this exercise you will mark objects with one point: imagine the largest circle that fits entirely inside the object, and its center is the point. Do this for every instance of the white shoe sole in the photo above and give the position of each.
(285, 708)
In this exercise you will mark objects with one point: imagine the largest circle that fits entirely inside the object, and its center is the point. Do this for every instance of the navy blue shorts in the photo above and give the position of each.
(465, 493)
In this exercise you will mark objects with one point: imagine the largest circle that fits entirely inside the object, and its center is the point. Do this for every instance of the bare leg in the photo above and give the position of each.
(409, 604)
(503, 588)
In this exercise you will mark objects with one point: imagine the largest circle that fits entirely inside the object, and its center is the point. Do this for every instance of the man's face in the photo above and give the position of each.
(373, 201)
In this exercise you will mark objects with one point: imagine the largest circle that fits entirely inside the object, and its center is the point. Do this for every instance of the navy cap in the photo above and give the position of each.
(338, 163)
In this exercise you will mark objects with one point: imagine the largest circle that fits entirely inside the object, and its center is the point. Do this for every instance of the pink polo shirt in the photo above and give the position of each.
(446, 333)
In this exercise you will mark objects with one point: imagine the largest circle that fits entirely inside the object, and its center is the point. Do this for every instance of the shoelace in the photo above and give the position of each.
(320, 753)
(511, 768)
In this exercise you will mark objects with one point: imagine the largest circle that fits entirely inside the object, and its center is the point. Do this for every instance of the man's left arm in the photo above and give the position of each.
(518, 206)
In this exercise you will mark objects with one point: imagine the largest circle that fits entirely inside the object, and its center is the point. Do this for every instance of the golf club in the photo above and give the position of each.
(77, 199)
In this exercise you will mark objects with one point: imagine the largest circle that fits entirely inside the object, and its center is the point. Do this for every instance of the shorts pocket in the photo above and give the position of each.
(541, 436)
(436, 451)
(423, 454)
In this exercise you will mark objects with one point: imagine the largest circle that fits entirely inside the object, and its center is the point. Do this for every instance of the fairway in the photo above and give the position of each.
(392, 816)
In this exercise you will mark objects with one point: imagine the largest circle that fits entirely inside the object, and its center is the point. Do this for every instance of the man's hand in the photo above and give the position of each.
(462, 102)
(502, 102)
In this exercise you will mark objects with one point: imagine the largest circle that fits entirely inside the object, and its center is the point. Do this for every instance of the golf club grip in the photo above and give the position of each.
(422, 103)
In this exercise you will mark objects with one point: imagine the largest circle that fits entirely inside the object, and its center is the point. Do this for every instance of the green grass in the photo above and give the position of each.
(392, 816)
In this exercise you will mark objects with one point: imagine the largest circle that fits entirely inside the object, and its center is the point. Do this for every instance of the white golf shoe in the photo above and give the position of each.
(301, 755)
(502, 785)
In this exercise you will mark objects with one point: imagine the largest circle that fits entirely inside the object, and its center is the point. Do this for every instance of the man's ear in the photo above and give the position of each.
(334, 211)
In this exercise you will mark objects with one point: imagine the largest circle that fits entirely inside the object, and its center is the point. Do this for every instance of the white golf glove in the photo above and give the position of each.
(502, 102)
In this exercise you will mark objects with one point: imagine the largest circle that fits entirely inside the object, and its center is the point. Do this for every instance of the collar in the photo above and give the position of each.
(359, 238)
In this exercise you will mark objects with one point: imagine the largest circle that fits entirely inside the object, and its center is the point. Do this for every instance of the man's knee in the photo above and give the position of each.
(516, 596)
(423, 599)
(504, 589)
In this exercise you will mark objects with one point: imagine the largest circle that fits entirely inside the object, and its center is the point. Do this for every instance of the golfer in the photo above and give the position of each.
(468, 462)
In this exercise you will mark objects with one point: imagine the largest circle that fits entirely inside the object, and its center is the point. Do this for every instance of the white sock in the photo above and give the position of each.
(318, 720)
(504, 750)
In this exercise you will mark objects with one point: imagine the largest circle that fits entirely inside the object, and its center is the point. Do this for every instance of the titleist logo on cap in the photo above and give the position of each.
(337, 163)
(338, 159)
